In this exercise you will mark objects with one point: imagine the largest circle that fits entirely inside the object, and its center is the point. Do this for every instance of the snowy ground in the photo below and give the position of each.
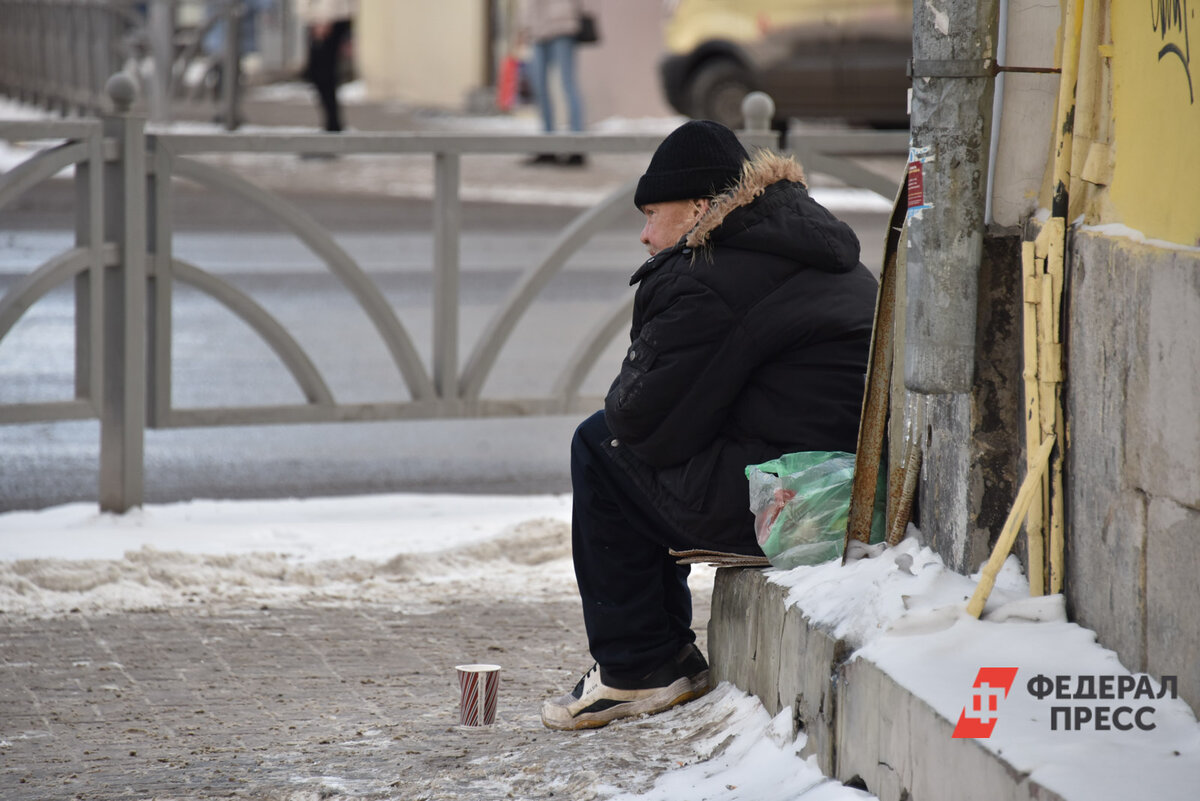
(316, 550)
(413, 554)
(421, 552)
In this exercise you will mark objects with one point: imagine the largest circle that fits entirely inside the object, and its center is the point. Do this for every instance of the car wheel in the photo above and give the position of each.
(717, 91)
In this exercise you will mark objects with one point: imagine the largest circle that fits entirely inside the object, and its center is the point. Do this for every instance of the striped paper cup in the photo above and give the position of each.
(479, 686)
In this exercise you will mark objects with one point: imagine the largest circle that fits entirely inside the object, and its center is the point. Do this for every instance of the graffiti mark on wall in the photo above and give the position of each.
(1170, 21)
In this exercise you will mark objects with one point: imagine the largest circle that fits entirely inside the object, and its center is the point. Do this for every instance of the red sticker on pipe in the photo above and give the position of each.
(916, 185)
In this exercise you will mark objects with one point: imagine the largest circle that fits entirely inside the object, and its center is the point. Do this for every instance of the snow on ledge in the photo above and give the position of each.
(905, 611)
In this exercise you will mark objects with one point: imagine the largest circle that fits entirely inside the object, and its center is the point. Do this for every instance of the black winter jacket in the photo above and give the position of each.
(750, 339)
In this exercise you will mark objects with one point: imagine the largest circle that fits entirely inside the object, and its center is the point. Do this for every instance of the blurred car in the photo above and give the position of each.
(839, 59)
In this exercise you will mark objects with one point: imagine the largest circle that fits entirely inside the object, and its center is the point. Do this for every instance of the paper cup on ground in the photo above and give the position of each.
(479, 687)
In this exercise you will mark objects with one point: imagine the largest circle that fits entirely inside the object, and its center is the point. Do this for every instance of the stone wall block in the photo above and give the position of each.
(860, 723)
(1172, 597)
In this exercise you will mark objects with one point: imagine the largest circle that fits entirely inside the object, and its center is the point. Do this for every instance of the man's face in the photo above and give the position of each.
(666, 222)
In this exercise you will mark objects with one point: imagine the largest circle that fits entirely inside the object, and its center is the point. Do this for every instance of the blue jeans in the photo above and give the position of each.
(637, 607)
(559, 51)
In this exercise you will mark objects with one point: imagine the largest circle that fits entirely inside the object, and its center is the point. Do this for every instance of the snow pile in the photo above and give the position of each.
(408, 550)
(890, 588)
(743, 754)
(906, 612)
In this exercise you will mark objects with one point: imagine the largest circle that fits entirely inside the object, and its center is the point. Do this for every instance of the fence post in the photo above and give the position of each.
(123, 398)
(160, 24)
(758, 108)
(231, 67)
(758, 111)
(447, 224)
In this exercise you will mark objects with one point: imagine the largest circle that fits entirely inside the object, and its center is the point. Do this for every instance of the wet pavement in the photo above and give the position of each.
(309, 700)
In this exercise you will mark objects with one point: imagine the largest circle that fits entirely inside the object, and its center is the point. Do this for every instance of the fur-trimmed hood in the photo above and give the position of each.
(766, 168)
(770, 210)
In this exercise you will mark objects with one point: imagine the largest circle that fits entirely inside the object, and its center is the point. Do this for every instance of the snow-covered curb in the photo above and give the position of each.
(900, 616)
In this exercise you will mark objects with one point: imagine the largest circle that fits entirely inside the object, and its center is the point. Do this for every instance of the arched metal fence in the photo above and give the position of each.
(124, 273)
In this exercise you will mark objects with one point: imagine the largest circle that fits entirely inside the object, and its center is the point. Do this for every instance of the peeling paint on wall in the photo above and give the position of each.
(941, 20)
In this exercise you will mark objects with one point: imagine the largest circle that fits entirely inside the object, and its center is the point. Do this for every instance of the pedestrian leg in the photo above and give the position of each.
(564, 57)
(541, 84)
(323, 72)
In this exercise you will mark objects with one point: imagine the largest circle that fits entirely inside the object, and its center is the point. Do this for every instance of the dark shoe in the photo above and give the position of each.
(595, 703)
(575, 160)
(541, 158)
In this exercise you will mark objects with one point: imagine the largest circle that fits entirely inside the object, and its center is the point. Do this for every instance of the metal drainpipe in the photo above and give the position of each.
(953, 86)
(997, 107)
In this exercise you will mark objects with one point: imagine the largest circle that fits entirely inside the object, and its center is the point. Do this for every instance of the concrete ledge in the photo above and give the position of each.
(859, 721)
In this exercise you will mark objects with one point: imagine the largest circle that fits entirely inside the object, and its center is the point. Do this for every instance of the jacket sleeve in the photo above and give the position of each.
(684, 368)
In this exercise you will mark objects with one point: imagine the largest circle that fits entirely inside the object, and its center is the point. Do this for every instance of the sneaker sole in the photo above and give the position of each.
(679, 692)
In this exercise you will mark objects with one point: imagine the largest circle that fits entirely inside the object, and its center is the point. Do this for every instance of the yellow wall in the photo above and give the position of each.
(427, 54)
(1156, 117)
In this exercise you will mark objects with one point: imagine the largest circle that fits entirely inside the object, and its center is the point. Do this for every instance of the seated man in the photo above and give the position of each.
(751, 330)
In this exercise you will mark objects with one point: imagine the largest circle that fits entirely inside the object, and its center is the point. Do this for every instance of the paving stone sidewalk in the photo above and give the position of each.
(305, 702)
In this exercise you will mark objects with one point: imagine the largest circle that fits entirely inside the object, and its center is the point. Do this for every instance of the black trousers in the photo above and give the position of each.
(637, 607)
(322, 71)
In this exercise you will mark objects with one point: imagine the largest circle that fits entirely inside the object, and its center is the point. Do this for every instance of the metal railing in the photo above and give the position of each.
(124, 274)
(58, 54)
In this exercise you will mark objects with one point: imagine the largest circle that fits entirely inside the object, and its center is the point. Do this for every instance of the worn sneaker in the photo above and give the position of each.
(593, 703)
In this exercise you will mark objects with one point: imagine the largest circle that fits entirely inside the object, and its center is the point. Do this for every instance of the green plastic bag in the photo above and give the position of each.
(801, 502)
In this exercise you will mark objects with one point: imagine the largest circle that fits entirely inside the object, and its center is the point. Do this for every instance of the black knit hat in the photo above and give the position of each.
(698, 159)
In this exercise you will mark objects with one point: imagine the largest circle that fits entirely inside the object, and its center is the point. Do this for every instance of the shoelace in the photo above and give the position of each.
(595, 668)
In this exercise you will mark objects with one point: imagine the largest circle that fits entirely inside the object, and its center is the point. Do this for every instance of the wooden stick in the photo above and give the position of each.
(873, 426)
(1029, 488)
(1048, 374)
(1055, 268)
(912, 469)
(1033, 426)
